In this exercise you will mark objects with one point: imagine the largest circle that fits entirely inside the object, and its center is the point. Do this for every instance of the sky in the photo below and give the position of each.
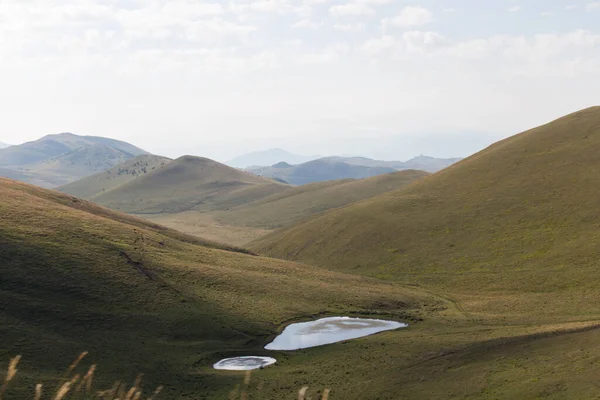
(388, 79)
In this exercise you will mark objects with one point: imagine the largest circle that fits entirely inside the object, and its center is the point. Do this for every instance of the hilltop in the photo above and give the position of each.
(119, 175)
(143, 298)
(303, 202)
(188, 183)
(509, 232)
(56, 160)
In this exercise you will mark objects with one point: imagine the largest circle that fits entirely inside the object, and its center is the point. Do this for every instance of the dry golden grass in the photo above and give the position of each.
(73, 386)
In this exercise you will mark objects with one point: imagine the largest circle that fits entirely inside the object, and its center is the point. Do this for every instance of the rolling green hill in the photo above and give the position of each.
(510, 233)
(302, 202)
(123, 173)
(142, 298)
(188, 183)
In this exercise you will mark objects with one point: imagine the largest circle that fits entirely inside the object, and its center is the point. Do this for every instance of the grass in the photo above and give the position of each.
(492, 261)
(250, 221)
(188, 183)
(516, 221)
(303, 202)
(143, 298)
(119, 175)
(73, 385)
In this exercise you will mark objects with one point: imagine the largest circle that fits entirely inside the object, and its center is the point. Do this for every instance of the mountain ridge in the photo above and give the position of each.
(57, 159)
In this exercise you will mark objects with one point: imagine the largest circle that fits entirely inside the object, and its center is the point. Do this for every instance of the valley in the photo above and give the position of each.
(490, 262)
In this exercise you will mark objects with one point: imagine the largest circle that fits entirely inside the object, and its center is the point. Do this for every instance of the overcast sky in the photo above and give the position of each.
(381, 78)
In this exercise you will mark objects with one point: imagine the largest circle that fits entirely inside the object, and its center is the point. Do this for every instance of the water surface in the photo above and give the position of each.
(329, 330)
(244, 363)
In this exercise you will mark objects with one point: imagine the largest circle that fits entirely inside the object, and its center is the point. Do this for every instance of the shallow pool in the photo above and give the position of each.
(329, 330)
(244, 363)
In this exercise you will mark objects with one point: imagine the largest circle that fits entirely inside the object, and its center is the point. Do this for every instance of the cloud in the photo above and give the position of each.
(306, 24)
(594, 5)
(515, 9)
(349, 27)
(271, 6)
(410, 17)
(351, 10)
(409, 43)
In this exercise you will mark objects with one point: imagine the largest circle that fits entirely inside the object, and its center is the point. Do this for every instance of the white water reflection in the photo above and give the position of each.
(244, 363)
(329, 330)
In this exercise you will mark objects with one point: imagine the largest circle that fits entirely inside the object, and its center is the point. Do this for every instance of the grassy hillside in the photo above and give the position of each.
(302, 202)
(142, 298)
(116, 176)
(510, 232)
(188, 183)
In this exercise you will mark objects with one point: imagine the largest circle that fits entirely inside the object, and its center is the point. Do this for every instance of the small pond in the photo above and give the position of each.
(244, 363)
(329, 330)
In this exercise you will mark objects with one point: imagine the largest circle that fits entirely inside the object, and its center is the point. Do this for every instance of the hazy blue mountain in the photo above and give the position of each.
(268, 157)
(56, 145)
(423, 163)
(324, 169)
(4, 145)
(56, 160)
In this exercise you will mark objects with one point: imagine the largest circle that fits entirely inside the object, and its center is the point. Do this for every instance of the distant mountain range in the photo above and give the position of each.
(334, 168)
(423, 163)
(4, 145)
(269, 157)
(55, 160)
(58, 160)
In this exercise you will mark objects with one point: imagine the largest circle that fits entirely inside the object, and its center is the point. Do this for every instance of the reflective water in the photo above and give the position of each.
(329, 330)
(244, 363)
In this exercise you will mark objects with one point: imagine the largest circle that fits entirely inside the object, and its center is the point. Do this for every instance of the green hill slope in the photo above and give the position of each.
(188, 183)
(123, 173)
(142, 298)
(510, 233)
(301, 202)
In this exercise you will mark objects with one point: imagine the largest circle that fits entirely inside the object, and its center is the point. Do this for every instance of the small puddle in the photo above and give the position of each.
(244, 363)
(329, 330)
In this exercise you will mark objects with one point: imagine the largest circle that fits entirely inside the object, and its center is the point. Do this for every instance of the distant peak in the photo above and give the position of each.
(282, 164)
